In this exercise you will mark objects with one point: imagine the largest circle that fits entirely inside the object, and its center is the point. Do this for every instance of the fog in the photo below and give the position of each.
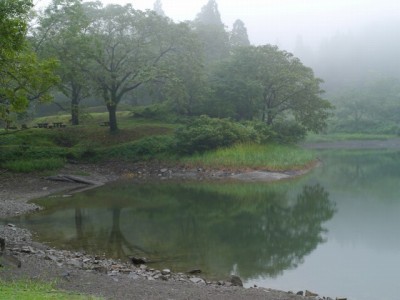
(282, 21)
(348, 43)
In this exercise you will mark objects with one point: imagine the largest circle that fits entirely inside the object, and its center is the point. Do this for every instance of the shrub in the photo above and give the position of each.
(288, 132)
(143, 148)
(205, 133)
(154, 112)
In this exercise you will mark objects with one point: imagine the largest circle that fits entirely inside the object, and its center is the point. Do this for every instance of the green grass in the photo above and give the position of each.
(312, 138)
(26, 166)
(266, 157)
(33, 290)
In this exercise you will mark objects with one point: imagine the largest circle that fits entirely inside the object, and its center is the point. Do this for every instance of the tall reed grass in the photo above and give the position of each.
(267, 157)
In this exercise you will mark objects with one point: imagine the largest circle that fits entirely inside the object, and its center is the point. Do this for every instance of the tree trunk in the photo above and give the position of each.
(269, 119)
(74, 112)
(112, 116)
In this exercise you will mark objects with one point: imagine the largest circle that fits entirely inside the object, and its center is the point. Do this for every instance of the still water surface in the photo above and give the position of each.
(333, 231)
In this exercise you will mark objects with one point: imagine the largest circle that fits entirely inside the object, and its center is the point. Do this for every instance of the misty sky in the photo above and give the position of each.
(282, 21)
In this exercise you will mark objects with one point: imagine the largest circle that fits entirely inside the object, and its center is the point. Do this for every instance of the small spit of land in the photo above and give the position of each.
(113, 280)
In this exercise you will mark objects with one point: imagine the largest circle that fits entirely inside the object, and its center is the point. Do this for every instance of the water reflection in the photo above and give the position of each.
(254, 229)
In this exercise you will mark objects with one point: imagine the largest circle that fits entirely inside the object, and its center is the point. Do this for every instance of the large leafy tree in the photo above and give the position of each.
(23, 78)
(278, 83)
(128, 49)
(62, 34)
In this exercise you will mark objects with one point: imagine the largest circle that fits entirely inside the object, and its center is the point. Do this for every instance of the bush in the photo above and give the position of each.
(153, 112)
(205, 133)
(288, 132)
(143, 148)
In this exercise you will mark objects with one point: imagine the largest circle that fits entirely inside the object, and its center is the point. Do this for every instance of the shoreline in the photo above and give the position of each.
(110, 278)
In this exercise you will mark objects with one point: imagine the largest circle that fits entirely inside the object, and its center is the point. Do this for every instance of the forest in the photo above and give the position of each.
(84, 54)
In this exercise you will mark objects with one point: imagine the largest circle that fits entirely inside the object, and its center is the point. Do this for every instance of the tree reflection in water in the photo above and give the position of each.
(256, 229)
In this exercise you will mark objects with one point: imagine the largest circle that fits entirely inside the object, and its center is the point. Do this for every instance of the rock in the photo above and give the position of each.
(194, 271)
(143, 267)
(75, 263)
(100, 269)
(138, 260)
(300, 293)
(166, 272)
(310, 294)
(51, 257)
(341, 298)
(28, 249)
(9, 261)
(112, 273)
(163, 170)
(133, 276)
(235, 280)
(197, 280)
(11, 225)
(164, 277)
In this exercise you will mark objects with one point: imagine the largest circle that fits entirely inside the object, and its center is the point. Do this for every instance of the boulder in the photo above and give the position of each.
(310, 294)
(138, 260)
(235, 280)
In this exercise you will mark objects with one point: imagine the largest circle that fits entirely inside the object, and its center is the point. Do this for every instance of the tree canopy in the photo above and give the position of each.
(273, 84)
(23, 77)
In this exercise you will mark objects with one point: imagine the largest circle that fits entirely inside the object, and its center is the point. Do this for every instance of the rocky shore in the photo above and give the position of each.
(105, 277)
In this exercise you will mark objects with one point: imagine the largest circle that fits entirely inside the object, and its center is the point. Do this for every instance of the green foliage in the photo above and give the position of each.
(272, 84)
(34, 290)
(61, 35)
(13, 26)
(25, 166)
(23, 78)
(238, 36)
(153, 112)
(288, 132)
(145, 148)
(371, 107)
(206, 133)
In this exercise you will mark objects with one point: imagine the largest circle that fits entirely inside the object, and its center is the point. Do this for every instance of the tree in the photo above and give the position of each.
(157, 7)
(129, 48)
(238, 36)
(13, 26)
(61, 34)
(23, 78)
(278, 83)
(211, 32)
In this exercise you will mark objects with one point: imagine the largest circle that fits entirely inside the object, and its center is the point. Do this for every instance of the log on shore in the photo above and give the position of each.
(72, 179)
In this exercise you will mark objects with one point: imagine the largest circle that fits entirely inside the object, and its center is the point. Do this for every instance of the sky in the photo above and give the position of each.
(281, 22)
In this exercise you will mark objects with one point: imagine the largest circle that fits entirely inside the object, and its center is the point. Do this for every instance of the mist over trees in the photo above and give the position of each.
(361, 73)
(123, 55)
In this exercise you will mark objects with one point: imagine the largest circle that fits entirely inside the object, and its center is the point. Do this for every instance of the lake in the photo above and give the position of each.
(332, 231)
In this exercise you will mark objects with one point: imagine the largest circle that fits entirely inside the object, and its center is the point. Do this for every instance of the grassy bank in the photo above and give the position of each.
(40, 149)
(33, 290)
(271, 157)
(333, 137)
